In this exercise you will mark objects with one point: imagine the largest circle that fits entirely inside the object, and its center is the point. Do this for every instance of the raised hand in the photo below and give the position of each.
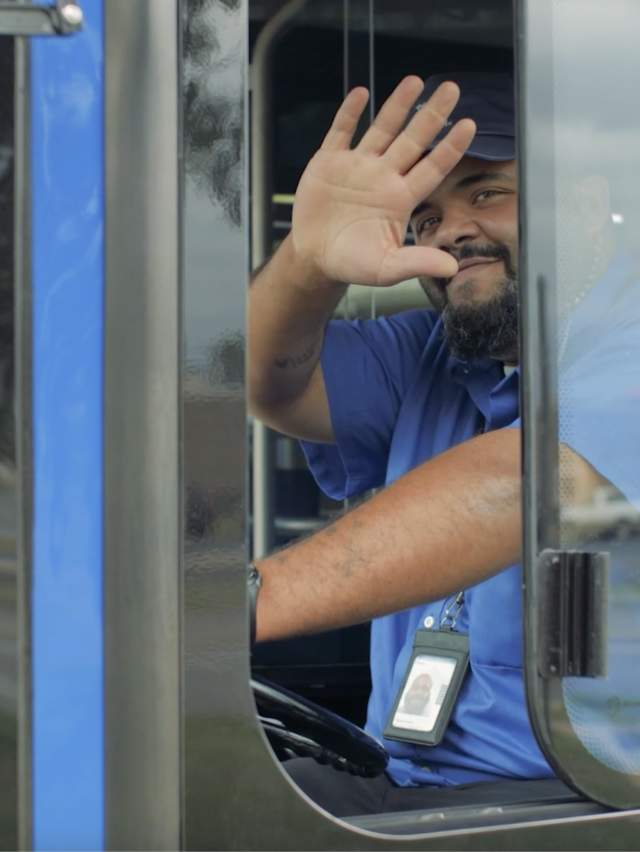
(353, 205)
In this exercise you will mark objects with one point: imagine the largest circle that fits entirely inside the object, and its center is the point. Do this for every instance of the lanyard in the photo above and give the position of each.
(429, 689)
(451, 613)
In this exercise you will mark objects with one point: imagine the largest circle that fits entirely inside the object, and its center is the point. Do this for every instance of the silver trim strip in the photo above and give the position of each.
(24, 431)
(142, 525)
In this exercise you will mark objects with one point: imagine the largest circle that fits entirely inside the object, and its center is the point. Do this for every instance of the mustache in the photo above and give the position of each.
(499, 251)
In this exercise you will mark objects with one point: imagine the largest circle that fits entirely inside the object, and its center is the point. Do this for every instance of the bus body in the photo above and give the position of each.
(149, 153)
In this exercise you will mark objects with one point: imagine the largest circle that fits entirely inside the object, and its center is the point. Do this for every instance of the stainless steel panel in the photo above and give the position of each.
(9, 475)
(220, 735)
(24, 448)
(142, 428)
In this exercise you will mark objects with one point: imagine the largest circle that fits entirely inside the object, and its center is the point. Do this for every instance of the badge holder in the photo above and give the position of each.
(436, 670)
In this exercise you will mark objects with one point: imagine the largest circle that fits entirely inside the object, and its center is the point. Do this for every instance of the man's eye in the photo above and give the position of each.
(428, 223)
(486, 194)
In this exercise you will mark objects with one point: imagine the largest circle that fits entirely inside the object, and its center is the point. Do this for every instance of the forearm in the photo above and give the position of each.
(448, 524)
(289, 306)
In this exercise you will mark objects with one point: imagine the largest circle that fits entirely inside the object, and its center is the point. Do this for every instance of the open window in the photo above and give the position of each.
(292, 102)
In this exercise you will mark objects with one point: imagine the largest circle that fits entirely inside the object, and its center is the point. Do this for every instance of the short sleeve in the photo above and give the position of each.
(599, 412)
(599, 407)
(367, 367)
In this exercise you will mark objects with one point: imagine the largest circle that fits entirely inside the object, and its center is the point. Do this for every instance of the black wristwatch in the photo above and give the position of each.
(254, 581)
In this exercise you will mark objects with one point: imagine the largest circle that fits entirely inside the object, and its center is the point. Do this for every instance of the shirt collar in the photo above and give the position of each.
(468, 371)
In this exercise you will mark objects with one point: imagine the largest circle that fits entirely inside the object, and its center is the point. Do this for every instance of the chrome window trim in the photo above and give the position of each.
(142, 458)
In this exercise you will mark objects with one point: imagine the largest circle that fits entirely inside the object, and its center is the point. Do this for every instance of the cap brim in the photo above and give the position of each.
(494, 148)
(486, 146)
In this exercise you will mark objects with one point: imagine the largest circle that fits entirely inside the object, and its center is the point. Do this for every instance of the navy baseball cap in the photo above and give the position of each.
(487, 98)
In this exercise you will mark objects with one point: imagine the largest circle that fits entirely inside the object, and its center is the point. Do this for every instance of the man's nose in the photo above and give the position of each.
(456, 229)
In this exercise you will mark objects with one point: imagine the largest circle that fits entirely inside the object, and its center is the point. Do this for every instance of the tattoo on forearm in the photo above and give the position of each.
(289, 362)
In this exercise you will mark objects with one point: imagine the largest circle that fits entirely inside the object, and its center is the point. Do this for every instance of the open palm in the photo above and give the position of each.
(353, 205)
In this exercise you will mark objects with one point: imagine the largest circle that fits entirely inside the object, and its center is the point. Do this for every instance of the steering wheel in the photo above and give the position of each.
(295, 725)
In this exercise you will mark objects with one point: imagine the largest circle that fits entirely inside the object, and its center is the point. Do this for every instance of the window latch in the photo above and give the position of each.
(573, 613)
(21, 19)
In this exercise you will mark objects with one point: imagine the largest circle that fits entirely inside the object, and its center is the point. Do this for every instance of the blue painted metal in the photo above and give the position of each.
(67, 258)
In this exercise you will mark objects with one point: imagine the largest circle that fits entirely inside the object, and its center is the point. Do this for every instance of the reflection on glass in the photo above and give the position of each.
(597, 139)
(214, 275)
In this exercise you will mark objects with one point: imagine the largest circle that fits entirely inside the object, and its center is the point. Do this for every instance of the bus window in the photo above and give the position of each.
(291, 107)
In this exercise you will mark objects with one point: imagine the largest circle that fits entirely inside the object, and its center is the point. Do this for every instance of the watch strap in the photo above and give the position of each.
(254, 581)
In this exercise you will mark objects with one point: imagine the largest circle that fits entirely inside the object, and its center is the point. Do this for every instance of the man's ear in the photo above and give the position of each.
(593, 203)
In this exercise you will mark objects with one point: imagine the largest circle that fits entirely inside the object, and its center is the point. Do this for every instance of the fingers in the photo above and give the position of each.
(392, 116)
(401, 148)
(409, 146)
(414, 262)
(431, 170)
(346, 120)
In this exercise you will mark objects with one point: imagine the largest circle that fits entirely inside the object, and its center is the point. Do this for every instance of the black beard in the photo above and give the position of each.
(485, 329)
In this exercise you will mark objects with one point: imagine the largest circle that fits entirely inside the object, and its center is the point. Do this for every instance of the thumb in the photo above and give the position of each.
(415, 261)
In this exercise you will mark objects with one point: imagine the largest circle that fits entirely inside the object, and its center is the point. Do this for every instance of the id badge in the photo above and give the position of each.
(426, 699)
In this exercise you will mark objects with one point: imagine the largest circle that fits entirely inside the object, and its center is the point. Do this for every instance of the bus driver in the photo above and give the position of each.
(424, 403)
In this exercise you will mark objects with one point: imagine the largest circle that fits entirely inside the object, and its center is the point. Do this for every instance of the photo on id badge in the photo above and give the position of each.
(430, 687)
(424, 693)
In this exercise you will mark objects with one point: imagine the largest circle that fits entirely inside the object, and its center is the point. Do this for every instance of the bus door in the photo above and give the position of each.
(580, 215)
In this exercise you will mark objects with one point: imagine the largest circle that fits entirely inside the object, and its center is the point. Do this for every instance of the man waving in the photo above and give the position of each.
(424, 403)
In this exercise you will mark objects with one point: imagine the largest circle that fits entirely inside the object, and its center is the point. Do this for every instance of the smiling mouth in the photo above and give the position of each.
(470, 264)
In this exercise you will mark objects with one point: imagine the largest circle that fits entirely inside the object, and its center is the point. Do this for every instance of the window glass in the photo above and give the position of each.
(597, 140)
(585, 230)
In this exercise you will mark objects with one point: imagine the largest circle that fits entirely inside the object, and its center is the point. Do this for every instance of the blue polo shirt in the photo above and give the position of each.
(398, 398)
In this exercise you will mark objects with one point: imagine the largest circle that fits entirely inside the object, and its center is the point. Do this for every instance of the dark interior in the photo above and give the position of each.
(407, 38)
